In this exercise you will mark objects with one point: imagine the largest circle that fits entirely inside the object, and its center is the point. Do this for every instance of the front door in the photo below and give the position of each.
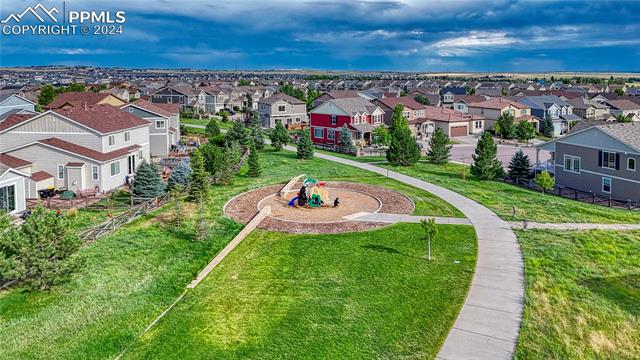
(131, 162)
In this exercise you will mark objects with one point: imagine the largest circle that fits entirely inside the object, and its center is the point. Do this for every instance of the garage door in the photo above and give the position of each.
(459, 131)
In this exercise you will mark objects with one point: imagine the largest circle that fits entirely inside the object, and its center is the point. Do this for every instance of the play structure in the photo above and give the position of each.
(327, 206)
(312, 194)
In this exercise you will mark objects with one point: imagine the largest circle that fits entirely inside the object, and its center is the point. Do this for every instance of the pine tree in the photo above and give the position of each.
(256, 131)
(147, 182)
(486, 165)
(238, 133)
(38, 253)
(305, 146)
(520, 166)
(279, 136)
(175, 194)
(199, 178)
(344, 139)
(179, 176)
(439, 148)
(546, 127)
(254, 163)
(219, 162)
(404, 149)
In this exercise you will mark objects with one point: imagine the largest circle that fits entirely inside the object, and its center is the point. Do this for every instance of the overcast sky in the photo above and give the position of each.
(447, 35)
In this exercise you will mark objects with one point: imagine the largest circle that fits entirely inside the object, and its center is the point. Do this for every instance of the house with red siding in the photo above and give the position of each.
(360, 115)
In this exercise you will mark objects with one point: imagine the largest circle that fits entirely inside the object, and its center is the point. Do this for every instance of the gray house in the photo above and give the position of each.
(164, 124)
(15, 104)
(601, 159)
(189, 99)
(282, 108)
(554, 108)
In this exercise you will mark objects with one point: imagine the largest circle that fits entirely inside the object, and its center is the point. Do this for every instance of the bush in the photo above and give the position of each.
(545, 181)
(279, 136)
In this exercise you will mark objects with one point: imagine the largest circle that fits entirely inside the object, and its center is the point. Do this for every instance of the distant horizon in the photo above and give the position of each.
(492, 36)
(303, 70)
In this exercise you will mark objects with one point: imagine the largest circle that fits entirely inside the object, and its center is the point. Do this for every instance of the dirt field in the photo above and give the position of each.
(354, 197)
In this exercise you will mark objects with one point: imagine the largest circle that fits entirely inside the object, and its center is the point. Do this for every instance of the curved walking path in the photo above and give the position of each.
(488, 324)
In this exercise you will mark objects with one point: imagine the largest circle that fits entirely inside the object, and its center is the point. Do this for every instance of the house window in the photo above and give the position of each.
(112, 140)
(377, 119)
(130, 109)
(297, 120)
(318, 133)
(8, 198)
(478, 124)
(609, 160)
(406, 114)
(330, 134)
(95, 175)
(282, 108)
(115, 168)
(606, 185)
(140, 154)
(60, 172)
(356, 119)
(572, 164)
(127, 136)
(160, 124)
(631, 164)
(334, 119)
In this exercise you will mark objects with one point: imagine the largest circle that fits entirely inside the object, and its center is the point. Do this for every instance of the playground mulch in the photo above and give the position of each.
(354, 198)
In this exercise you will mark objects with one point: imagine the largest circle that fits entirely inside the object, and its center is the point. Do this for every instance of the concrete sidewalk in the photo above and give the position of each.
(574, 226)
(397, 218)
(489, 321)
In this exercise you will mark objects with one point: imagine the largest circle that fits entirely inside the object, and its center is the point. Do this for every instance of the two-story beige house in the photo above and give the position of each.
(80, 148)
(282, 108)
(492, 109)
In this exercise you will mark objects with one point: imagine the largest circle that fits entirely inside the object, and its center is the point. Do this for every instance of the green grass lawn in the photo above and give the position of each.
(348, 296)
(204, 122)
(502, 198)
(129, 277)
(583, 295)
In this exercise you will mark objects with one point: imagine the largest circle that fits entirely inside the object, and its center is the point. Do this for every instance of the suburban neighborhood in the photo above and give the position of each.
(392, 188)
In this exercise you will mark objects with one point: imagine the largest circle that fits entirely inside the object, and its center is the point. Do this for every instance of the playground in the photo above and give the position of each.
(317, 207)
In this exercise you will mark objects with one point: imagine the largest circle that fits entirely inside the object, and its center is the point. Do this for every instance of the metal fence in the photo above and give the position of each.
(578, 195)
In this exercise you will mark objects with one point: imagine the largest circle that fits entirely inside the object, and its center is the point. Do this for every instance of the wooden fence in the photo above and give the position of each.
(578, 195)
(143, 207)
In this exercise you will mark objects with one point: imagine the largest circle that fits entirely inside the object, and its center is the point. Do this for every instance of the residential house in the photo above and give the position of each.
(433, 98)
(493, 108)
(601, 159)
(164, 124)
(282, 108)
(412, 109)
(554, 108)
(453, 123)
(589, 109)
(83, 99)
(13, 188)
(449, 93)
(337, 94)
(461, 102)
(15, 104)
(81, 148)
(121, 93)
(360, 116)
(188, 98)
(624, 107)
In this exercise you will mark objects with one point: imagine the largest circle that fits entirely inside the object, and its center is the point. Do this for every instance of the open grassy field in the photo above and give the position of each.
(204, 122)
(129, 277)
(348, 296)
(502, 198)
(583, 295)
